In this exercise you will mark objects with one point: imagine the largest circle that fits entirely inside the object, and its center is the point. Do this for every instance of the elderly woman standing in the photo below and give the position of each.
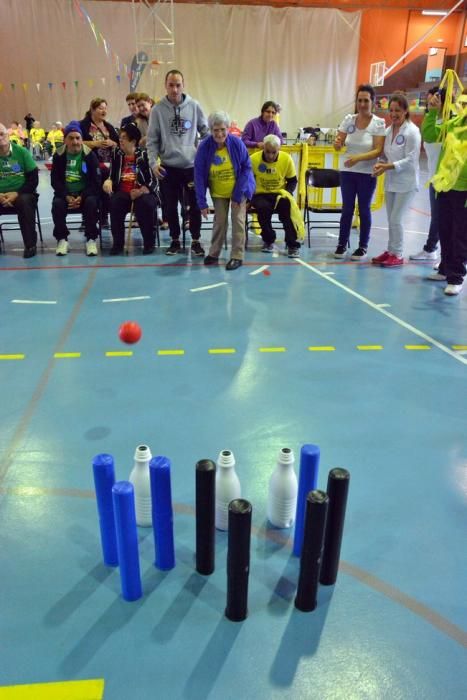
(256, 129)
(222, 164)
(402, 153)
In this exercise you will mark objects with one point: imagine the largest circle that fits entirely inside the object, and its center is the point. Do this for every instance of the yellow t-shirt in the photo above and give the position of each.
(221, 175)
(36, 135)
(271, 177)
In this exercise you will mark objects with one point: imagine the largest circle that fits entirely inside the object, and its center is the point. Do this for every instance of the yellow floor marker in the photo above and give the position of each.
(12, 357)
(272, 349)
(369, 347)
(171, 352)
(119, 353)
(321, 348)
(65, 690)
(221, 351)
(66, 355)
(459, 347)
(417, 347)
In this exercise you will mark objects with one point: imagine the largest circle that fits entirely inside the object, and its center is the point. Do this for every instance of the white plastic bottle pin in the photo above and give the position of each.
(227, 487)
(283, 488)
(140, 479)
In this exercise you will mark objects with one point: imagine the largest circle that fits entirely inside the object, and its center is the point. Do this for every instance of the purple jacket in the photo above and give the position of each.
(256, 129)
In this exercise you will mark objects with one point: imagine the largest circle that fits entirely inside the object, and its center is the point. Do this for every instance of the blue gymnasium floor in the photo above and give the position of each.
(394, 625)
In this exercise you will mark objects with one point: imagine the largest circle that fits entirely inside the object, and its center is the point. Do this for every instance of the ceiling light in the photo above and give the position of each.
(434, 12)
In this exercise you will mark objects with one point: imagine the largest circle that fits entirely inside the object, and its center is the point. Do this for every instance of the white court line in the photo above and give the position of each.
(209, 286)
(383, 306)
(107, 301)
(31, 301)
(328, 273)
(388, 314)
(259, 270)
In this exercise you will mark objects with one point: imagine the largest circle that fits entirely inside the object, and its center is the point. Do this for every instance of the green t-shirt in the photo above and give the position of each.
(74, 177)
(13, 167)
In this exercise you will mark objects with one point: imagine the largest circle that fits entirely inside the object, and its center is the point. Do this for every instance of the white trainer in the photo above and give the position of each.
(437, 277)
(91, 248)
(453, 289)
(62, 247)
(424, 255)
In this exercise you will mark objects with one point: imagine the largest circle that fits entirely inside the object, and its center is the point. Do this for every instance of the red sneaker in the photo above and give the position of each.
(381, 258)
(392, 261)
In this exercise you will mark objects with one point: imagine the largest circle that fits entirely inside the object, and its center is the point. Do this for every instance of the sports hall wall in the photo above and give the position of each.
(233, 57)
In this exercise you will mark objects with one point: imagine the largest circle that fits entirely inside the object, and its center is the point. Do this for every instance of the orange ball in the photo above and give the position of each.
(130, 332)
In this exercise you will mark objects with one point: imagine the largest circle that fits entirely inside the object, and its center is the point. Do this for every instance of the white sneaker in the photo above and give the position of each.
(453, 289)
(91, 248)
(424, 255)
(437, 277)
(62, 247)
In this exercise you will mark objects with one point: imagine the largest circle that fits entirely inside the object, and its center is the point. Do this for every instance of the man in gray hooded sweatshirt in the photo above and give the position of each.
(176, 124)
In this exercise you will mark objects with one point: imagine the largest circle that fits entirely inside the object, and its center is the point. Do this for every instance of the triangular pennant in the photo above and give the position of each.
(38, 87)
(103, 81)
(12, 85)
(50, 86)
(63, 84)
(119, 77)
(76, 82)
(1, 87)
(90, 82)
(25, 86)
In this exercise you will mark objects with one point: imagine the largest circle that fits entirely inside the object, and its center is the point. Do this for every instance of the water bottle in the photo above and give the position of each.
(227, 487)
(283, 489)
(141, 481)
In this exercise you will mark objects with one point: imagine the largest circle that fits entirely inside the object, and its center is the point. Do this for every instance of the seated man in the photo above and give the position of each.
(19, 178)
(276, 179)
(76, 182)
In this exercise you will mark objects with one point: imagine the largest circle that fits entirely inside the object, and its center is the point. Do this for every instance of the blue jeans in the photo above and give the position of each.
(362, 187)
(433, 233)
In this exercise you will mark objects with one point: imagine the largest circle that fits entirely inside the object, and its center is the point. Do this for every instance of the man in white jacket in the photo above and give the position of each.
(176, 124)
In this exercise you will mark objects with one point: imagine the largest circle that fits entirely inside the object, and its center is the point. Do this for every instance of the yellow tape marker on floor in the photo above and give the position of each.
(417, 347)
(65, 355)
(221, 351)
(119, 353)
(12, 357)
(171, 352)
(369, 347)
(66, 690)
(459, 347)
(321, 348)
(272, 349)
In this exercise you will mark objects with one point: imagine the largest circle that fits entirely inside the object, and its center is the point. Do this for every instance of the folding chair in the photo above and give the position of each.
(14, 225)
(318, 201)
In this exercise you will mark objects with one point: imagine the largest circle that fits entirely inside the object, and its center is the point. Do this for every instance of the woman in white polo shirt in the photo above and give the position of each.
(363, 135)
(401, 166)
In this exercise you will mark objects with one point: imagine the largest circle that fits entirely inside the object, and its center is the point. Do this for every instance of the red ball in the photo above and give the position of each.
(130, 332)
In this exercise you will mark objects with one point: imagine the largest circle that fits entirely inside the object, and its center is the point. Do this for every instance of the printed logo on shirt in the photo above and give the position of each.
(263, 168)
(218, 160)
(400, 139)
(179, 126)
(351, 129)
(9, 167)
(187, 124)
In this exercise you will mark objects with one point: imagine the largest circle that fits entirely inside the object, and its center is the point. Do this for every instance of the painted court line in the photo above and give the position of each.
(171, 352)
(66, 355)
(12, 357)
(280, 349)
(31, 301)
(108, 301)
(386, 313)
(369, 347)
(417, 347)
(259, 270)
(459, 347)
(221, 351)
(119, 353)
(321, 348)
(209, 286)
(383, 306)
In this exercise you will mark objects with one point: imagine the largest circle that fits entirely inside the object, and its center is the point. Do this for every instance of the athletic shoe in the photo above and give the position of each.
(293, 252)
(380, 258)
(358, 254)
(436, 277)
(340, 252)
(29, 252)
(424, 255)
(174, 248)
(234, 264)
(211, 260)
(392, 261)
(453, 289)
(91, 248)
(267, 248)
(62, 247)
(197, 249)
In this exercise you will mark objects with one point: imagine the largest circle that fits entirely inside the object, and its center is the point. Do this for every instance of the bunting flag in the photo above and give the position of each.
(103, 81)
(90, 82)
(25, 86)
(76, 82)
(119, 77)
(38, 87)
(12, 85)
(51, 86)
(64, 84)
(1, 87)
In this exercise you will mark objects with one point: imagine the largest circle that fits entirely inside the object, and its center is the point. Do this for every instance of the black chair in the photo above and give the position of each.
(317, 181)
(14, 225)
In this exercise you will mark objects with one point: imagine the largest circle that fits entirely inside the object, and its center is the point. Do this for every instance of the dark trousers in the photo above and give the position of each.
(453, 235)
(265, 205)
(433, 233)
(360, 186)
(89, 209)
(178, 186)
(145, 212)
(25, 210)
